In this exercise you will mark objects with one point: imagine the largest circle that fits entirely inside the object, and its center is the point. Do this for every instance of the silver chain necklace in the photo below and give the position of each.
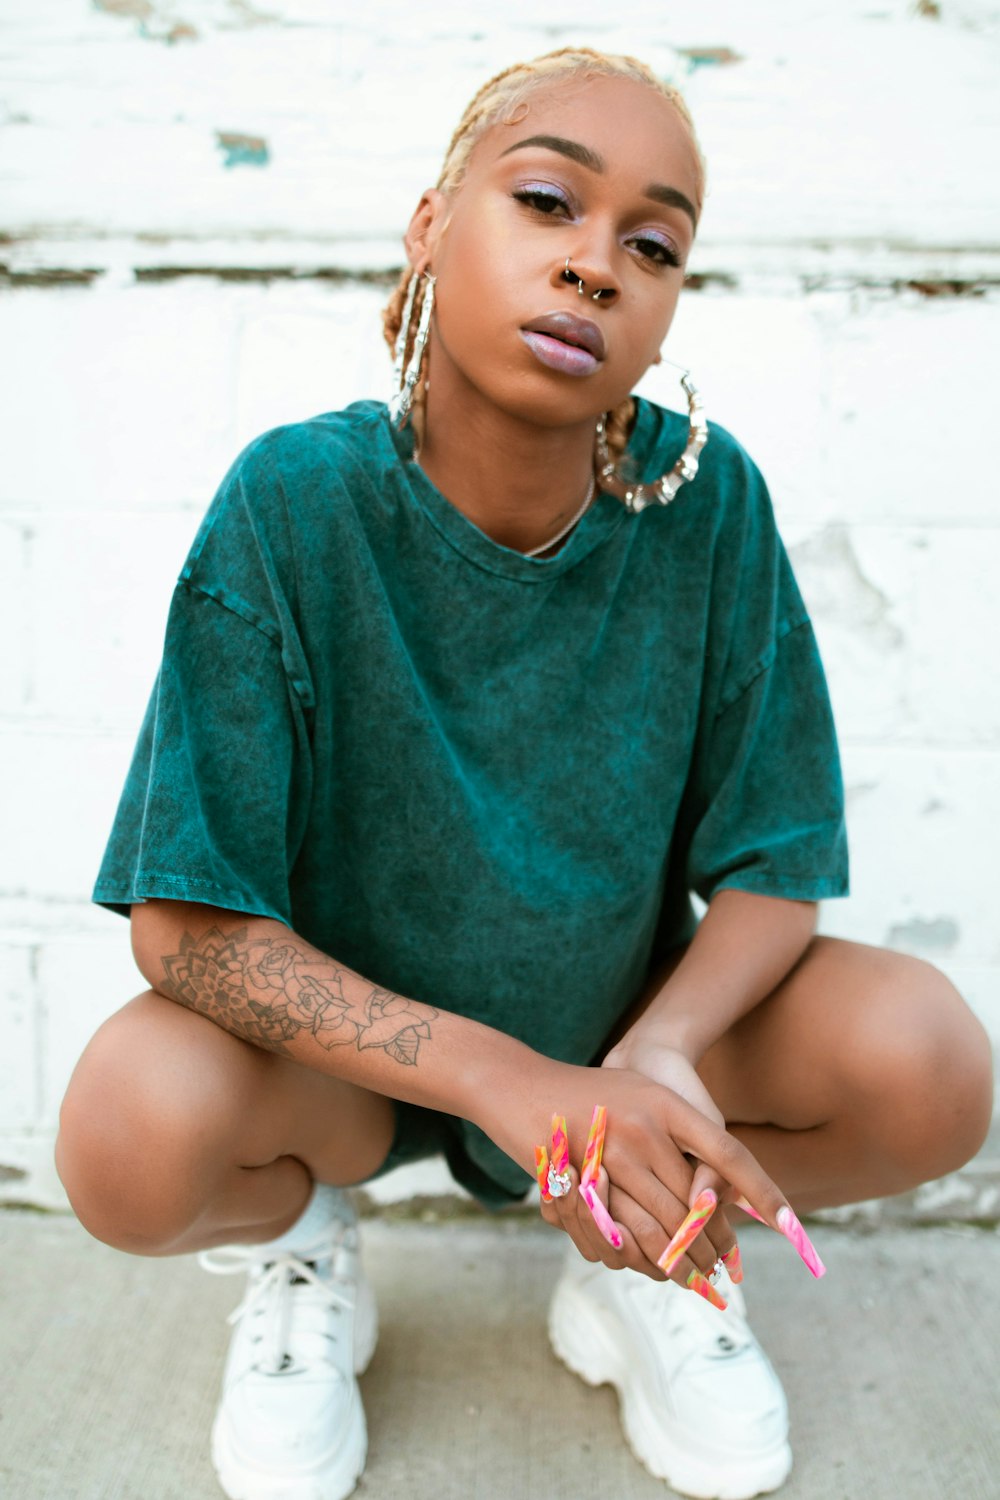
(569, 524)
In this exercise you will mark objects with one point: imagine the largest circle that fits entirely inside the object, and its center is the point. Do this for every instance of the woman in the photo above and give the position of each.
(455, 712)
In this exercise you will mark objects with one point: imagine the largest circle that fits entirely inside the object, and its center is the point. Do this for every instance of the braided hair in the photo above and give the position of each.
(504, 99)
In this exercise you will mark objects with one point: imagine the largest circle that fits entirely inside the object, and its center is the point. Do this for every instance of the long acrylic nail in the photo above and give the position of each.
(701, 1284)
(560, 1145)
(793, 1231)
(542, 1173)
(602, 1218)
(595, 1145)
(733, 1262)
(748, 1208)
(702, 1210)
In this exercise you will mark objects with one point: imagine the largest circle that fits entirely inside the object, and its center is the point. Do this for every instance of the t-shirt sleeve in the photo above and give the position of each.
(770, 786)
(215, 801)
(765, 800)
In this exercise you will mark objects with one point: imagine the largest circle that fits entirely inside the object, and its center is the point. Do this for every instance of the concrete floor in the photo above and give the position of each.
(111, 1365)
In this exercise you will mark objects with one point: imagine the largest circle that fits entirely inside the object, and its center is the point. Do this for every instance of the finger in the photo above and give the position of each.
(645, 1235)
(723, 1153)
(719, 1232)
(603, 1221)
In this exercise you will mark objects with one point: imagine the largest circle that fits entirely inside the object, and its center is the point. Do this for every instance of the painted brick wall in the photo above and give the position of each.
(198, 198)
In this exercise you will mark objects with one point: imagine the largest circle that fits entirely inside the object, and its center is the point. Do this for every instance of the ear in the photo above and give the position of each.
(425, 229)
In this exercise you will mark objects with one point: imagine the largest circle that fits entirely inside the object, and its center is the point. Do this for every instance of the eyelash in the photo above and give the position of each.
(545, 200)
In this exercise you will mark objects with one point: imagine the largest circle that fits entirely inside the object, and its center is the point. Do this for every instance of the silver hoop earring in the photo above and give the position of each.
(406, 381)
(636, 497)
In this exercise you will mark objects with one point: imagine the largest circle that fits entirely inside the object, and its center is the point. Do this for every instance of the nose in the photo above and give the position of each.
(593, 280)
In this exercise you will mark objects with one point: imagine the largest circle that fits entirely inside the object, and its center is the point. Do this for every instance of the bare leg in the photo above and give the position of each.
(862, 1075)
(175, 1136)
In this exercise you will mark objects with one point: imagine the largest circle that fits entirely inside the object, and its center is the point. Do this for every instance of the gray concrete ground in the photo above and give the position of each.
(109, 1367)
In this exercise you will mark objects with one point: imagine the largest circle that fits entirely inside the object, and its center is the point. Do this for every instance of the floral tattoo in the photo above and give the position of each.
(271, 992)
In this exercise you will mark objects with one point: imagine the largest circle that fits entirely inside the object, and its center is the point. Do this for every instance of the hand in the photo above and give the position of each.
(670, 1067)
(647, 1177)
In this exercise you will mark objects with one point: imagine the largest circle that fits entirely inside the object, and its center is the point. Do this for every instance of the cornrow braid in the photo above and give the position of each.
(504, 99)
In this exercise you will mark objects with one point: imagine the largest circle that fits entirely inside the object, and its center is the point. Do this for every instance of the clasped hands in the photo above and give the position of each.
(659, 1167)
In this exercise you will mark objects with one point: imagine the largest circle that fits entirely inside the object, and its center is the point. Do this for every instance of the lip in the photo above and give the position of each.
(577, 332)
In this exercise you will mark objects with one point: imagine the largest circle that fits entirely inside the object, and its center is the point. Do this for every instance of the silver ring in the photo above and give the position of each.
(715, 1275)
(559, 1183)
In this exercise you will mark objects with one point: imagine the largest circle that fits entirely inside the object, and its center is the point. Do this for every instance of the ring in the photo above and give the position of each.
(716, 1272)
(559, 1183)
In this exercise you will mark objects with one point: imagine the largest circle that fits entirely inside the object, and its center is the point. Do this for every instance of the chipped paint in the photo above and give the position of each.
(710, 57)
(49, 277)
(136, 10)
(264, 274)
(242, 150)
(939, 935)
(839, 590)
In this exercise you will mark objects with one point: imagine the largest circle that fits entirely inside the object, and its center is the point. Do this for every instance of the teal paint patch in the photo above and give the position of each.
(241, 150)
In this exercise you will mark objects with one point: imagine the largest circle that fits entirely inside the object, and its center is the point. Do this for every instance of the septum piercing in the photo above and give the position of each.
(580, 283)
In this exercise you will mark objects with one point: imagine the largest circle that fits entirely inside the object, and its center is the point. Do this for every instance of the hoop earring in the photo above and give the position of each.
(636, 497)
(406, 381)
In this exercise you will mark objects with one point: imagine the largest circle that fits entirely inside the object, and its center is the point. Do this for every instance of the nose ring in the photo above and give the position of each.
(572, 276)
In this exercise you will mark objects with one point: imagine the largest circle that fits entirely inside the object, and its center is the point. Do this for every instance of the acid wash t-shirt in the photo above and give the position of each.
(482, 780)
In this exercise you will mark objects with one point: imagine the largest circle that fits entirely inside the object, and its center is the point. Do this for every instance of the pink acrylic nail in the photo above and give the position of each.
(701, 1284)
(749, 1209)
(793, 1231)
(704, 1207)
(542, 1173)
(733, 1262)
(602, 1218)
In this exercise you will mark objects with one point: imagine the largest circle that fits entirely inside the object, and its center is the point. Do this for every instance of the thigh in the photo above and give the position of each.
(850, 1025)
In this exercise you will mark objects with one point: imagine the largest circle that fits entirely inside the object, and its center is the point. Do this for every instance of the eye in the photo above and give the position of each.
(660, 251)
(542, 197)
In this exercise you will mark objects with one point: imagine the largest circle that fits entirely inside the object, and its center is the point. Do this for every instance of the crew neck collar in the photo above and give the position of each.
(605, 515)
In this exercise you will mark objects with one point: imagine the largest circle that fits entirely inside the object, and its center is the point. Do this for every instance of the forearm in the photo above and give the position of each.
(745, 945)
(259, 980)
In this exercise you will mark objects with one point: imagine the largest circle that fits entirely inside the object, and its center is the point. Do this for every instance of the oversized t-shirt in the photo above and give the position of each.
(486, 781)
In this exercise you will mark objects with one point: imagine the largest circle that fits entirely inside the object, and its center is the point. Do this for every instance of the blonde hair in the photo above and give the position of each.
(504, 99)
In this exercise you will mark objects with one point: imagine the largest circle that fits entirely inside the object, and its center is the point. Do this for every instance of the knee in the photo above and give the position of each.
(928, 1069)
(130, 1134)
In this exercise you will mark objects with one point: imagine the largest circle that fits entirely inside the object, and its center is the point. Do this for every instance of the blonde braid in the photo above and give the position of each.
(503, 99)
(392, 321)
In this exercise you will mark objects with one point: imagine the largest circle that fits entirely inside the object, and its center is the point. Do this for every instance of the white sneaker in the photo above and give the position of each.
(700, 1404)
(290, 1425)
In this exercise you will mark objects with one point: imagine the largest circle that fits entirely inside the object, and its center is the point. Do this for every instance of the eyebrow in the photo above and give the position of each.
(659, 192)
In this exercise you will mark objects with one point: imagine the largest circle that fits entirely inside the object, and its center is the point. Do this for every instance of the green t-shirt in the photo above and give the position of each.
(482, 780)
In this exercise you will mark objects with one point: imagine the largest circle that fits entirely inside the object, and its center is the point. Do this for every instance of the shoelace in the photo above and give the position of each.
(723, 1338)
(271, 1292)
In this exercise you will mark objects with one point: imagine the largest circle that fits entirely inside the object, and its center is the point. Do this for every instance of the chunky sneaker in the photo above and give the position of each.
(291, 1425)
(700, 1404)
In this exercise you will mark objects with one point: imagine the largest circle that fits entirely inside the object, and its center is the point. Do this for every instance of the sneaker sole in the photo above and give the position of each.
(586, 1346)
(338, 1476)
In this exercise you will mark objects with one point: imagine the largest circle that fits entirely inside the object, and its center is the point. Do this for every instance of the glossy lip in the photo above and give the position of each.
(567, 359)
(577, 332)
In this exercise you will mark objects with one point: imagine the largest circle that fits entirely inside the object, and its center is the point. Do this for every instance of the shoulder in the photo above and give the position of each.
(348, 445)
(291, 482)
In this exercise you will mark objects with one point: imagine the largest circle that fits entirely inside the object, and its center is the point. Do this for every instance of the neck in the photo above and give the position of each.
(519, 483)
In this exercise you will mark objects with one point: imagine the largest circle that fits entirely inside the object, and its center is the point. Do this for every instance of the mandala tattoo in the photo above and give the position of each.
(271, 993)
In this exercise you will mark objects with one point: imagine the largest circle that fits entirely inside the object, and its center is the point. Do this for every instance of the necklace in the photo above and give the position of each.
(569, 524)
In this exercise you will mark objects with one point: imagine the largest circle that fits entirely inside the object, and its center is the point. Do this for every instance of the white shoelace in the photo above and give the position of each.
(271, 1292)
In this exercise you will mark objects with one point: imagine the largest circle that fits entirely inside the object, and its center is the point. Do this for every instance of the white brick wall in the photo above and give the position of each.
(852, 154)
